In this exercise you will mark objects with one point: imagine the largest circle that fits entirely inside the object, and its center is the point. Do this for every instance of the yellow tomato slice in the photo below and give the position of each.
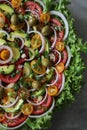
(2, 20)
(45, 18)
(36, 41)
(17, 27)
(16, 3)
(27, 109)
(52, 90)
(60, 46)
(60, 67)
(4, 55)
(38, 69)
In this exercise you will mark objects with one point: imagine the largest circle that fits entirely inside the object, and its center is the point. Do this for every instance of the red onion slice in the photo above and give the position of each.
(33, 12)
(42, 38)
(44, 114)
(38, 103)
(69, 56)
(33, 55)
(59, 14)
(56, 79)
(2, 31)
(28, 27)
(59, 56)
(14, 117)
(22, 40)
(11, 54)
(55, 38)
(10, 105)
(8, 86)
(6, 1)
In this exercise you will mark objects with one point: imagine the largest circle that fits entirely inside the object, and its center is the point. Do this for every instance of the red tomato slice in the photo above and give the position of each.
(41, 108)
(59, 82)
(58, 23)
(65, 56)
(33, 6)
(15, 122)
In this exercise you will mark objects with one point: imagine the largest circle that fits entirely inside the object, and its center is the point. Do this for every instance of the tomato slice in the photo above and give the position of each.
(60, 46)
(52, 90)
(65, 56)
(15, 122)
(27, 109)
(4, 54)
(58, 23)
(36, 41)
(2, 117)
(60, 67)
(59, 82)
(33, 6)
(45, 18)
(16, 3)
(43, 107)
(8, 79)
(38, 69)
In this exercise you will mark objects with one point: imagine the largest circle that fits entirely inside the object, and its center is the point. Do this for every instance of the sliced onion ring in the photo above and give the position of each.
(55, 38)
(33, 12)
(10, 85)
(6, 1)
(42, 38)
(14, 117)
(36, 104)
(10, 105)
(11, 54)
(56, 79)
(3, 31)
(69, 56)
(44, 114)
(59, 14)
(32, 55)
(28, 27)
(22, 40)
(59, 56)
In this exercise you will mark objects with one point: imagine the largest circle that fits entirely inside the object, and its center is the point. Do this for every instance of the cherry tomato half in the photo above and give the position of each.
(38, 69)
(52, 90)
(27, 109)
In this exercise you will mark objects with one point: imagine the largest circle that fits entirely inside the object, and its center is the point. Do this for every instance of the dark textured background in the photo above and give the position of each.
(75, 116)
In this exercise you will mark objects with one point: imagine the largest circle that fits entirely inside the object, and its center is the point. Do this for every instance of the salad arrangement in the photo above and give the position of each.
(40, 62)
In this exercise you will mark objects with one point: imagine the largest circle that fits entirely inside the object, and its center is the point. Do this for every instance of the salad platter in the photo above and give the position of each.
(40, 62)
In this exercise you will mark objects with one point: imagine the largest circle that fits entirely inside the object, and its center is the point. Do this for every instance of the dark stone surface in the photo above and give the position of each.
(75, 116)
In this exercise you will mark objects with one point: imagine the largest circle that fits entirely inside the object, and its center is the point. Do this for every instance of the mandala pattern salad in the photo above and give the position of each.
(38, 61)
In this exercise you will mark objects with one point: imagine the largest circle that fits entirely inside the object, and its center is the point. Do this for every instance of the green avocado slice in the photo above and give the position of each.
(6, 8)
(7, 69)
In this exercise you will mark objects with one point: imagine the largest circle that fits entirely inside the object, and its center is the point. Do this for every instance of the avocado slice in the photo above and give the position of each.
(47, 46)
(16, 53)
(7, 69)
(14, 108)
(2, 41)
(50, 74)
(26, 69)
(6, 8)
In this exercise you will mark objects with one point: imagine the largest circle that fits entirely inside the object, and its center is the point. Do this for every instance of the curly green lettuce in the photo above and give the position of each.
(74, 72)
